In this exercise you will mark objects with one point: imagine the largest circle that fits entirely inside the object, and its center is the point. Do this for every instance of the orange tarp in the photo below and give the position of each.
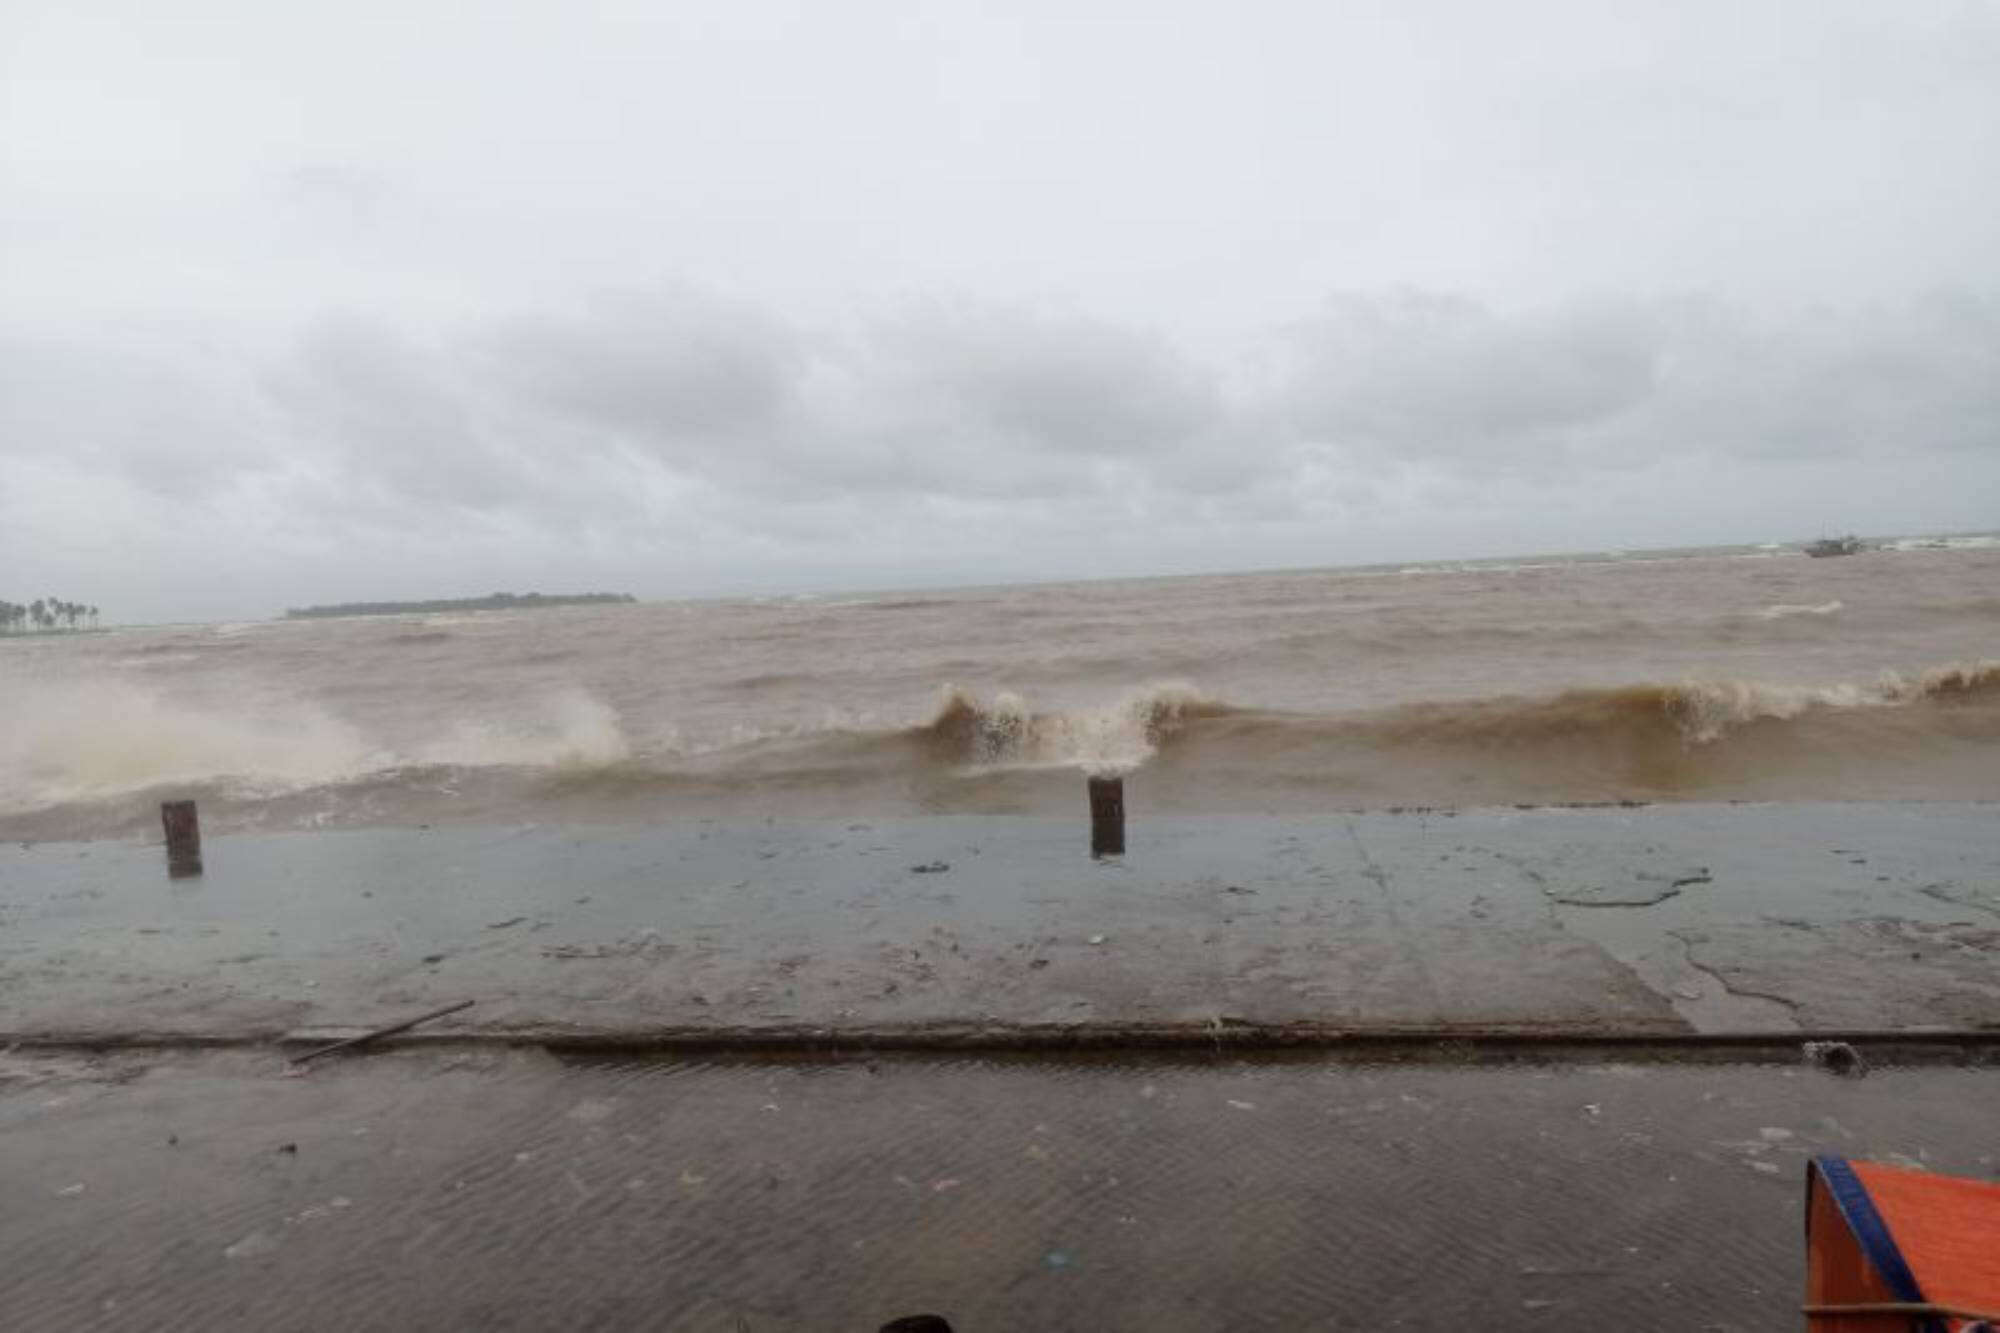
(1886, 1236)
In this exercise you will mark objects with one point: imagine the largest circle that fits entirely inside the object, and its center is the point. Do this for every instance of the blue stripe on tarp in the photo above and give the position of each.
(1871, 1233)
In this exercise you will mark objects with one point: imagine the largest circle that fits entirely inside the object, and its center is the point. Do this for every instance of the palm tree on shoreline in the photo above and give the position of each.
(44, 615)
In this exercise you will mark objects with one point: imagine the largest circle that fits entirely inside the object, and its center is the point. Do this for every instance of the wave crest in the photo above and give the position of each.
(72, 748)
(1960, 681)
(1696, 712)
(1787, 610)
(1113, 739)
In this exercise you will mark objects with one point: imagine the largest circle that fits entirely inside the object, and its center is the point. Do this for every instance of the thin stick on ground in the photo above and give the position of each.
(389, 1031)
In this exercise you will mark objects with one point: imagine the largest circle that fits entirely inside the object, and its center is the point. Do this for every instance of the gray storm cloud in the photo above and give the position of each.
(1429, 374)
(665, 417)
(322, 305)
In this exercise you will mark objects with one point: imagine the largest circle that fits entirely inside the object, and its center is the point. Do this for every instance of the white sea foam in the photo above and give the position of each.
(1785, 610)
(1707, 710)
(1109, 739)
(567, 728)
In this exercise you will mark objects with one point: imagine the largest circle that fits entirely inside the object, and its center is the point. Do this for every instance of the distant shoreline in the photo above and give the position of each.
(499, 601)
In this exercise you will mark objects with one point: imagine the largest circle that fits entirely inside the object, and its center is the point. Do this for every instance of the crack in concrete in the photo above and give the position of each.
(1941, 892)
(1566, 898)
(1373, 872)
(1536, 877)
(1729, 988)
(1669, 887)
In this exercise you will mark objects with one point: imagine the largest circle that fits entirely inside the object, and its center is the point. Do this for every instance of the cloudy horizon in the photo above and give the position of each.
(767, 297)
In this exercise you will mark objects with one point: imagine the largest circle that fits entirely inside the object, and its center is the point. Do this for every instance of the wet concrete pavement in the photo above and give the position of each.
(1677, 919)
(494, 1188)
(475, 1185)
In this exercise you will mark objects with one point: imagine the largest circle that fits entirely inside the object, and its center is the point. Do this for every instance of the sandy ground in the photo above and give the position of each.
(483, 1188)
(1682, 919)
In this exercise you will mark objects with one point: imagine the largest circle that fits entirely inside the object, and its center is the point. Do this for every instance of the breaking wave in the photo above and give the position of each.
(566, 729)
(1122, 736)
(89, 740)
(1113, 739)
(84, 760)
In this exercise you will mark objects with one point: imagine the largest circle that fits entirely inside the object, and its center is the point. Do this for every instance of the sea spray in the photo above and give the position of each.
(564, 728)
(95, 739)
(86, 739)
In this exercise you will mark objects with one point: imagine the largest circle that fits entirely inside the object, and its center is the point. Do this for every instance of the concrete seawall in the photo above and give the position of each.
(1665, 922)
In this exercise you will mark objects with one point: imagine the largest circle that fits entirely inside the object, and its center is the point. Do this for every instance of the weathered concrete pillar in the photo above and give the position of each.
(1107, 816)
(183, 828)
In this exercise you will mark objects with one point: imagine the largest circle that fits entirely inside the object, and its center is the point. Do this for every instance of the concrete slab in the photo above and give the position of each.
(505, 1189)
(1658, 920)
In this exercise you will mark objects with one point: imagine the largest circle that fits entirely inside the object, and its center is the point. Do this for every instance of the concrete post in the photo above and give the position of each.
(183, 826)
(1107, 816)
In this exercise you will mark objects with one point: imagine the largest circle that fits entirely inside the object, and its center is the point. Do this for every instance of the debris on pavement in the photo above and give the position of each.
(391, 1030)
(1836, 1057)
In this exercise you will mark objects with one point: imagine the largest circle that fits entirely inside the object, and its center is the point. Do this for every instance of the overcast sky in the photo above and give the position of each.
(311, 302)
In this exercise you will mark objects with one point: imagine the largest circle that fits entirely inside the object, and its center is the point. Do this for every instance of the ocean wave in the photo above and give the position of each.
(1694, 713)
(105, 738)
(82, 748)
(565, 729)
(903, 604)
(968, 736)
(1786, 610)
(1971, 542)
(155, 657)
(1977, 680)
(1960, 608)
(1114, 739)
(84, 739)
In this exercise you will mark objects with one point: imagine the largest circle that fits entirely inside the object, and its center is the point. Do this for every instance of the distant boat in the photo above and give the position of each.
(1826, 546)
